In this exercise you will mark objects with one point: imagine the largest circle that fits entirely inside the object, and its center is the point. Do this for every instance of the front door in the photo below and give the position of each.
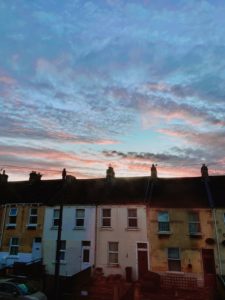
(85, 254)
(209, 267)
(142, 255)
(36, 248)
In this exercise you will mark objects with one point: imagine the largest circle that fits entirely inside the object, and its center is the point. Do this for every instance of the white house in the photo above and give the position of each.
(77, 238)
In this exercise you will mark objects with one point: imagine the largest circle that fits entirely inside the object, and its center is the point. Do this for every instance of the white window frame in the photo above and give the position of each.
(196, 223)
(163, 225)
(31, 215)
(55, 218)
(178, 259)
(113, 252)
(105, 218)
(13, 215)
(78, 218)
(14, 243)
(132, 218)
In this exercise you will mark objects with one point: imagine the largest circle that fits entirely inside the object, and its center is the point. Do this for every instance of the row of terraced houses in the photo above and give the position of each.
(166, 225)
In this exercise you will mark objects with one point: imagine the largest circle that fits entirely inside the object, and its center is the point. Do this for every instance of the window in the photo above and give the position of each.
(86, 251)
(56, 217)
(194, 223)
(62, 250)
(132, 218)
(106, 217)
(163, 221)
(33, 216)
(80, 215)
(12, 215)
(113, 253)
(14, 246)
(174, 263)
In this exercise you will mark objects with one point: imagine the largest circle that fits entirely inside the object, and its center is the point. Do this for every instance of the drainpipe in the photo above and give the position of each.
(3, 225)
(211, 203)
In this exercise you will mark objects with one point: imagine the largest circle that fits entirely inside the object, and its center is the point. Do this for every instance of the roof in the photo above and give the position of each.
(187, 192)
(161, 192)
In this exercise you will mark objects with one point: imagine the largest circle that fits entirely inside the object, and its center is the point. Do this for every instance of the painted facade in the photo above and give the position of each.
(77, 238)
(179, 238)
(122, 239)
(21, 237)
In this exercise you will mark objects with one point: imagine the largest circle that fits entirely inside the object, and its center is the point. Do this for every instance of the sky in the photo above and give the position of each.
(85, 84)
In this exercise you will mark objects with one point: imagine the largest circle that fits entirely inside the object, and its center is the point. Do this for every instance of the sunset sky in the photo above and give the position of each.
(87, 83)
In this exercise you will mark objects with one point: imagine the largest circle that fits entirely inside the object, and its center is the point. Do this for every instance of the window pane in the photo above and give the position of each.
(142, 245)
(13, 250)
(33, 211)
(33, 220)
(56, 213)
(132, 213)
(163, 216)
(106, 222)
(63, 245)
(113, 246)
(14, 241)
(164, 226)
(173, 253)
(106, 212)
(13, 212)
(174, 265)
(132, 222)
(80, 222)
(56, 222)
(12, 220)
(194, 227)
(113, 258)
(86, 253)
(80, 213)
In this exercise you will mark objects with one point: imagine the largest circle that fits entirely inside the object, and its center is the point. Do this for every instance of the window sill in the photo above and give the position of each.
(31, 226)
(132, 229)
(113, 266)
(13, 256)
(10, 226)
(105, 228)
(195, 234)
(164, 232)
(79, 228)
(54, 227)
(62, 262)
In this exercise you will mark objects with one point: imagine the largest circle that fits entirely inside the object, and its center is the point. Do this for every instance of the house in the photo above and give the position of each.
(181, 229)
(22, 219)
(121, 234)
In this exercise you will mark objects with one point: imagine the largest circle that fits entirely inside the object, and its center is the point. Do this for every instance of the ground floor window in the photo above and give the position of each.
(14, 246)
(174, 263)
(113, 253)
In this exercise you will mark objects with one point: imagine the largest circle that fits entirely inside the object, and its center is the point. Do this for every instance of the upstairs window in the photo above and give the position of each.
(33, 216)
(55, 222)
(106, 217)
(174, 263)
(113, 253)
(163, 221)
(80, 217)
(132, 218)
(194, 223)
(12, 215)
(14, 246)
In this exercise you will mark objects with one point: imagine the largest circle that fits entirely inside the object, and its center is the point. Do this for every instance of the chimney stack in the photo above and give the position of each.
(64, 174)
(110, 174)
(3, 177)
(153, 171)
(204, 171)
(35, 177)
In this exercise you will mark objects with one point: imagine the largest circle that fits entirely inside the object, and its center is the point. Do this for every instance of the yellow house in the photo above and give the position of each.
(181, 229)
